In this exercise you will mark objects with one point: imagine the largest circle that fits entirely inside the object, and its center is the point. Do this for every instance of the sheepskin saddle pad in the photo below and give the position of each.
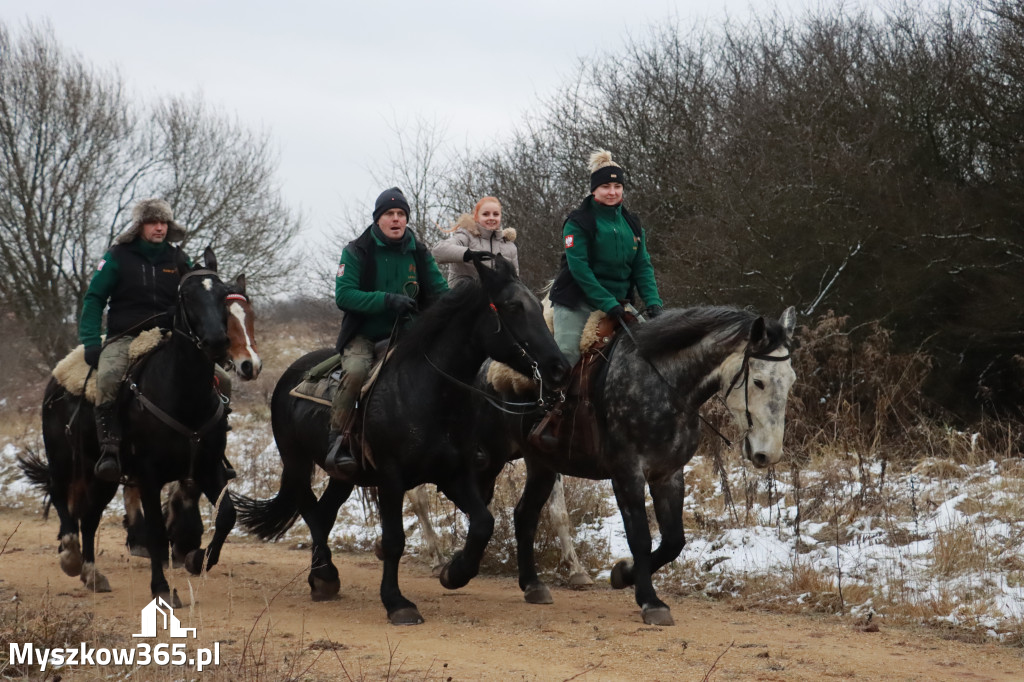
(71, 372)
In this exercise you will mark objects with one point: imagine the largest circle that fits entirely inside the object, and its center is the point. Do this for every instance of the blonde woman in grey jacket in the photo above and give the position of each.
(474, 235)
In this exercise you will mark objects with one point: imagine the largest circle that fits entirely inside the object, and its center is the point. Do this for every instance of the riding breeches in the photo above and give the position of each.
(569, 324)
(110, 369)
(356, 361)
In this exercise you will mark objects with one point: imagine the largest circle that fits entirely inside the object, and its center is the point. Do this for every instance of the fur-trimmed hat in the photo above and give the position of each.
(603, 170)
(389, 199)
(152, 211)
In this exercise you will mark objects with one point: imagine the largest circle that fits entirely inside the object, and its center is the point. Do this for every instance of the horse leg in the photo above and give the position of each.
(134, 523)
(156, 535)
(578, 576)
(196, 560)
(668, 496)
(630, 497)
(319, 516)
(184, 524)
(100, 495)
(465, 563)
(420, 501)
(69, 548)
(400, 610)
(539, 482)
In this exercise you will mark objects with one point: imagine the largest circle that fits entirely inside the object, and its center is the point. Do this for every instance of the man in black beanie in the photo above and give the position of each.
(384, 278)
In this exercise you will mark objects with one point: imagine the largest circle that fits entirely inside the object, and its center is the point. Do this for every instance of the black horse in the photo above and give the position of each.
(173, 429)
(416, 424)
(647, 403)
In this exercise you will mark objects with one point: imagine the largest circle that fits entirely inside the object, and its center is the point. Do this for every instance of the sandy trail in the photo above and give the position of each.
(257, 605)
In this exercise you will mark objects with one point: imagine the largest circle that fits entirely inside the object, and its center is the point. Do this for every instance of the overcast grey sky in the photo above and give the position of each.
(326, 80)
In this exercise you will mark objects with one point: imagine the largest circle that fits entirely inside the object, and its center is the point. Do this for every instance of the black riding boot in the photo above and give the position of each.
(108, 468)
(339, 462)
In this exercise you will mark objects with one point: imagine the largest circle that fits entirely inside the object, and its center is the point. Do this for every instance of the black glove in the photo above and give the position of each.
(653, 311)
(617, 313)
(92, 356)
(400, 303)
(477, 256)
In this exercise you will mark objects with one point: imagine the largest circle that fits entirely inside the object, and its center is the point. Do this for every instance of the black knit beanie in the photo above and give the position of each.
(389, 199)
(606, 174)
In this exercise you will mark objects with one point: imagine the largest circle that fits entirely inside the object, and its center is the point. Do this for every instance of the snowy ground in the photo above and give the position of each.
(941, 543)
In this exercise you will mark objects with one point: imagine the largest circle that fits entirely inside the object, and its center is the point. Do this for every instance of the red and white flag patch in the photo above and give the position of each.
(569, 241)
(99, 266)
(341, 270)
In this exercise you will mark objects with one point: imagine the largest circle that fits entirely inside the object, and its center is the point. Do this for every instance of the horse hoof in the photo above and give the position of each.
(659, 615)
(323, 590)
(378, 549)
(177, 561)
(139, 551)
(580, 580)
(537, 593)
(70, 555)
(93, 580)
(407, 616)
(620, 577)
(171, 598)
(194, 561)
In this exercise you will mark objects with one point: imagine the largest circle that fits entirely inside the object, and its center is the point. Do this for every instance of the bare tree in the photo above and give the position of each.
(75, 154)
(65, 140)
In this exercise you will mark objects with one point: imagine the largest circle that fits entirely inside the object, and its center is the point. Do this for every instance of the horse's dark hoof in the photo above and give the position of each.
(410, 615)
(139, 551)
(580, 580)
(93, 580)
(170, 597)
(323, 590)
(177, 561)
(537, 593)
(658, 615)
(194, 561)
(378, 549)
(621, 576)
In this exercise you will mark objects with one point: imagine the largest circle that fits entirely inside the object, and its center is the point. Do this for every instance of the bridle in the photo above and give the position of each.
(744, 371)
(229, 364)
(520, 408)
(189, 332)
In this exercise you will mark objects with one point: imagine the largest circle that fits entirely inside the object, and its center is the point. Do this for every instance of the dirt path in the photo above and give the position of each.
(483, 632)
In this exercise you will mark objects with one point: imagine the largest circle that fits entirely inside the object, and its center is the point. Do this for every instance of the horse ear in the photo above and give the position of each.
(240, 284)
(757, 332)
(209, 259)
(788, 321)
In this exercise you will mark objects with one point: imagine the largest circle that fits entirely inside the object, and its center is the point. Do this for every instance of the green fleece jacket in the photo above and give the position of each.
(617, 258)
(395, 274)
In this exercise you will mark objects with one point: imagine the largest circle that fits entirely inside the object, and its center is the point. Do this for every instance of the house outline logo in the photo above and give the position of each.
(159, 612)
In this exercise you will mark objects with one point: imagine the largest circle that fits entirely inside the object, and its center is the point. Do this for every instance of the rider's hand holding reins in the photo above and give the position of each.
(92, 355)
(653, 311)
(401, 304)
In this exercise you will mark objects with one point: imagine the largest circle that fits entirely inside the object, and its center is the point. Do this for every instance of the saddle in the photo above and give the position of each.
(71, 372)
(321, 382)
(572, 424)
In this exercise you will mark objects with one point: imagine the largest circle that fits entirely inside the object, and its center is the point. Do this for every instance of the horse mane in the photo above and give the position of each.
(465, 297)
(678, 330)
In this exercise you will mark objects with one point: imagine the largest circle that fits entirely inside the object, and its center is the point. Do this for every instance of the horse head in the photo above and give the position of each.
(516, 333)
(201, 315)
(762, 375)
(242, 353)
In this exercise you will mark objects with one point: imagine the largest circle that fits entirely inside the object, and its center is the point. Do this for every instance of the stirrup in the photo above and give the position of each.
(339, 462)
(107, 468)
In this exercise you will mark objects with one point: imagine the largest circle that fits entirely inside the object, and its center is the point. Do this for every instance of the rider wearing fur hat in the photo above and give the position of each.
(384, 278)
(139, 279)
(473, 236)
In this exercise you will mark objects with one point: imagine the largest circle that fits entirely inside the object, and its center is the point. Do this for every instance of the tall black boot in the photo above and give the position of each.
(108, 428)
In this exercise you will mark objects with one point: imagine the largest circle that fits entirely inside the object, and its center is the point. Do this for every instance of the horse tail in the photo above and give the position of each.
(38, 474)
(268, 519)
